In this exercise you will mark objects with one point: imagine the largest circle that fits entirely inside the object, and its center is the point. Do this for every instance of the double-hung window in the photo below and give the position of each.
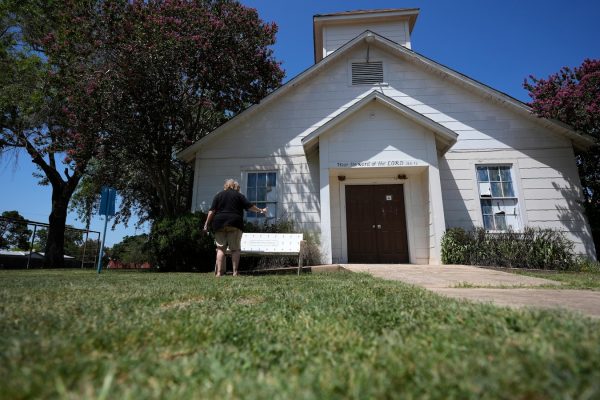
(499, 203)
(261, 190)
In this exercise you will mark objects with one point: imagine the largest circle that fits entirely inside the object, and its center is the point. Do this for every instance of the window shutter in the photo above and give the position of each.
(367, 73)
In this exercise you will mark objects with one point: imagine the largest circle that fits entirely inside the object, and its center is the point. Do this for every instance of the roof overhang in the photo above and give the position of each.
(580, 141)
(187, 154)
(444, 137)
(361, 16)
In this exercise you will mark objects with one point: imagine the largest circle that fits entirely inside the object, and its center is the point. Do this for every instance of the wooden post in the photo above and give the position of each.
(87, 233)
(301, 256)
(31, 246)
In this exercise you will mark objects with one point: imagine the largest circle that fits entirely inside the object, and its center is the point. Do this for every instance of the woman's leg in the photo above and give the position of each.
(235, 242)
(235, 260)
(220, 262)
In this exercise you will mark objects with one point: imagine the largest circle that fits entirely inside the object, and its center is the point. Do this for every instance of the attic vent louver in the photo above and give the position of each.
(367, 73)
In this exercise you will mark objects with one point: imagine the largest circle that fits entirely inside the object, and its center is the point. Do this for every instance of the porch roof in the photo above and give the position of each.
(444, 137)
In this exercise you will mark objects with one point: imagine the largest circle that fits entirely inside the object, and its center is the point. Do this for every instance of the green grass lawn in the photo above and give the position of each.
(74, 334)
(570, 280)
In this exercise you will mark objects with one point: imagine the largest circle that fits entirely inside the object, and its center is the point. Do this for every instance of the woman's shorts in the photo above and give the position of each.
(228, 237)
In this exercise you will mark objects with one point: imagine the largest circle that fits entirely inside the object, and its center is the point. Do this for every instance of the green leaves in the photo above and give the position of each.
(533, 248)
(179, 244)
(179, 70)
(174, 72)
(14, 232)
(572, 96)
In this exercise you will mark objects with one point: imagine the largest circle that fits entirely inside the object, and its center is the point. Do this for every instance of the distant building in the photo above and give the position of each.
(18, 259)
(380, 149)
(115, 264)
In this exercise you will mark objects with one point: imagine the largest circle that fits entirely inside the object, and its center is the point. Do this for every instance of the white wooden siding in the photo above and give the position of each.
(335, 36)
(376, 133)
(298, 199)
(488, 132)
(421, 218)
(549, 190)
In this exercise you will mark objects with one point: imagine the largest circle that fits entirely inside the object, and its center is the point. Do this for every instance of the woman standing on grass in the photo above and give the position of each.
(227, 217)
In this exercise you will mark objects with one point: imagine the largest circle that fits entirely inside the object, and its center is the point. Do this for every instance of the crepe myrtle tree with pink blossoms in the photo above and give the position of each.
(572, 96)
(113, 88)
(53, 97)
(180, 69)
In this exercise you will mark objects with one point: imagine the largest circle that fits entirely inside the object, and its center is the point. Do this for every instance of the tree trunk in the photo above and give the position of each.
(62, 191)
(55, 246)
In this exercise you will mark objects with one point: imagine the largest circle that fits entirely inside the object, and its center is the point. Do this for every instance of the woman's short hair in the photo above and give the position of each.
(231, 184)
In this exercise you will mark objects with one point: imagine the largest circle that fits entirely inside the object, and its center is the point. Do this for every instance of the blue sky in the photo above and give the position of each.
(498, 43)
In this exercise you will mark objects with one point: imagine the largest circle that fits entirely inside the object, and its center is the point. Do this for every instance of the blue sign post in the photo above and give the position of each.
(107, 208)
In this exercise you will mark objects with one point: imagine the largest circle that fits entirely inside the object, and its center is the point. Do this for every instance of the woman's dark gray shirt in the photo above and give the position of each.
(229, 206)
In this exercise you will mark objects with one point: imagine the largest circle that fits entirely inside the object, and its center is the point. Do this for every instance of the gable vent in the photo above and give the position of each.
(367, 73)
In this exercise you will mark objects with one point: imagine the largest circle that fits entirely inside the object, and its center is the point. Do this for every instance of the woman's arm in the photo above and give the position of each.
(209, 218)
(258, 210)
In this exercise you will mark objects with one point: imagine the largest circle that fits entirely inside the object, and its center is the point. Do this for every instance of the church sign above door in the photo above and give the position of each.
(382, 163)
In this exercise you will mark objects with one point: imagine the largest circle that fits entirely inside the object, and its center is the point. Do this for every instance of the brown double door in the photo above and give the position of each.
(376, 224)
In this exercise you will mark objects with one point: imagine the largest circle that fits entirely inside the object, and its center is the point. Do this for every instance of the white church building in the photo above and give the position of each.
(380, 149)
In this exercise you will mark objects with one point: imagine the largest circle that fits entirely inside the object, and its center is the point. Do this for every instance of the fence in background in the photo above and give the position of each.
(86, 257)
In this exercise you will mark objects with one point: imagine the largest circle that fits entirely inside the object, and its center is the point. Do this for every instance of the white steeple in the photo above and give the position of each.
(331, 31)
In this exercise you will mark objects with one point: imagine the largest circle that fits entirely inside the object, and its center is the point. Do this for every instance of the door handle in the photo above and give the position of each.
(373, 226)
(378, 226)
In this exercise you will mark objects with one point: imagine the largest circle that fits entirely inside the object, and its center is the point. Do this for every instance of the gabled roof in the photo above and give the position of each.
(579, 140)
(444, 137)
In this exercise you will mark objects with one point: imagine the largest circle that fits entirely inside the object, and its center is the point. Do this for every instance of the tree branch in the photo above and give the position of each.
(51, 173)
(52, 160)
(6, 143)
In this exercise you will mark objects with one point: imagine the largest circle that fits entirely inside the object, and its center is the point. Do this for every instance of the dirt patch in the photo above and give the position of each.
(250, 301)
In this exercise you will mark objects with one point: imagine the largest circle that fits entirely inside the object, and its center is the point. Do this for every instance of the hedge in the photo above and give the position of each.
(534, 248)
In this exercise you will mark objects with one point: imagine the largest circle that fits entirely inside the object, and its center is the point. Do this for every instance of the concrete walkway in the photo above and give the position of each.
(454, 281)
